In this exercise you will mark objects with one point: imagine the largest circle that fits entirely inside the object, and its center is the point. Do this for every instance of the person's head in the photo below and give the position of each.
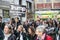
(16, 19)
(26, 23)
(38, 21)
(41, 21)
(33, 24)
(8, 29)
(31, 30)
(58, 25)
(40, 30)
(20, 28)
(0, 19)
(13, 21)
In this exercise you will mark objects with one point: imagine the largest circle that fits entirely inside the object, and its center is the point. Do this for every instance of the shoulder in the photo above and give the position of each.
(12, 36)
(48, 37)
(24, 34)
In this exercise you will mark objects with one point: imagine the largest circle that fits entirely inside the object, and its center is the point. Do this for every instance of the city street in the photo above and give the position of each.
(29, 19)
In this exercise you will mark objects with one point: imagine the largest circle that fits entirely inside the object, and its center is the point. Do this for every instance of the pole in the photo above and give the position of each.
(26, 11)
(52, 4)
(34, 8)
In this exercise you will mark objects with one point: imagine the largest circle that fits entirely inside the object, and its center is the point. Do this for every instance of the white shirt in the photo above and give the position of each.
(6, 36)
(21, 36)
(57, 37)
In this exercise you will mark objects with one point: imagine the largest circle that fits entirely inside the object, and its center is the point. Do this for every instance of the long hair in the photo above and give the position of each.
(32, 30)
(10, 28)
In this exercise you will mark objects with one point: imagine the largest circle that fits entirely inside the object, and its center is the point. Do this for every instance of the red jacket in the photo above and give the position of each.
(45, 37)
(49, 37)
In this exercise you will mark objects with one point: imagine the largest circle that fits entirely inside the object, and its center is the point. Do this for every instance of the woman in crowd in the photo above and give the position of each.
(51, 29)
(31, 34)
(20, 34)
(58, 32)
(41, 35)
(8, 35)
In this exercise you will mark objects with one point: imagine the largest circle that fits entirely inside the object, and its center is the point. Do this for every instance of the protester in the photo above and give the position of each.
(31, 33)
(1, 34)
(33, 24)
(17, 22)
(8, 34)
(58, 32)
(20, 35)
(1, 24)
(50, 30)
(26, 26)
(12, 22)
(41, 35)
(30, 30)
(37, 22)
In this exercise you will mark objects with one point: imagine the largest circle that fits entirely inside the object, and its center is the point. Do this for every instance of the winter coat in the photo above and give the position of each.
(45, 37)
(18, 35)
(31, 37)
(1, 35)
(11, 37)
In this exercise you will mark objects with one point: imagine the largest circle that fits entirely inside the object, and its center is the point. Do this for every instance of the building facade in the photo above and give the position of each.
(47, 4)
(30, 9)
(4, 8)
(16, 8)
(47, 7)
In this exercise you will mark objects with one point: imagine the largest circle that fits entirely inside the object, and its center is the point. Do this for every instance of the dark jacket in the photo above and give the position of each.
(1, 34)
(59, 37)
(12, 37)
(2, 25)
(17, 24)
(18, 35)
(31, 37)
(26, 27)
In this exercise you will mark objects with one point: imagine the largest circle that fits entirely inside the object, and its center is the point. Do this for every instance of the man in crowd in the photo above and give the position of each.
(1, 24)
(1, 29)
(17, 22)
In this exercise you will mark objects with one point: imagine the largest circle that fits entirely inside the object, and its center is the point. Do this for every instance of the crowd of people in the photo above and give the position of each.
(30, 30)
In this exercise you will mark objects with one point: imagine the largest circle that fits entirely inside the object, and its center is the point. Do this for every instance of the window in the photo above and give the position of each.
(57, 0)
(48, 0)
(16, 2)
(24, 2)
(20, 2)
(29, 5)
(23, 14)
(41, 1)
(6, 13)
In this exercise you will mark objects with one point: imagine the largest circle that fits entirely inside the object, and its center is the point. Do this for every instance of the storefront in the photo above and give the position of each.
(45, 14)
